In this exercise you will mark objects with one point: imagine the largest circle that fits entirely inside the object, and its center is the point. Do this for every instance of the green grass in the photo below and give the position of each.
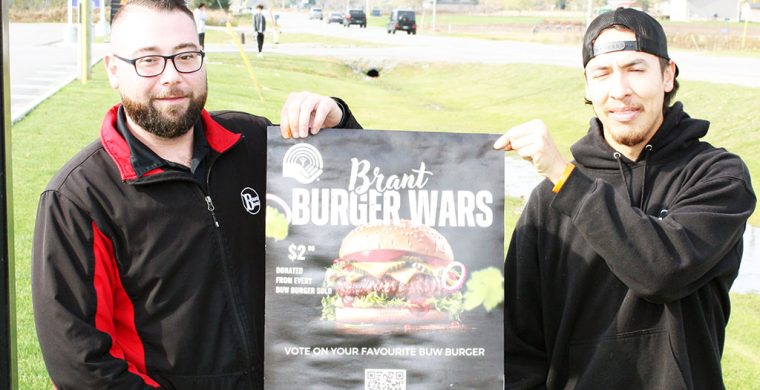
(741, 354)
(459, 98)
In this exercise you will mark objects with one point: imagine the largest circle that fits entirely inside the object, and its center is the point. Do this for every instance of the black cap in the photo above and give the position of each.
(650, 37)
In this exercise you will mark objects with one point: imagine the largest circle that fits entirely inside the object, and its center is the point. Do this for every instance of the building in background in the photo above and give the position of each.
(685, 10)
(750, 12)
(452, 5)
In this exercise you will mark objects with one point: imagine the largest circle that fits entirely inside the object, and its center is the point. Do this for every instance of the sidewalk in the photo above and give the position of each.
(41, 64)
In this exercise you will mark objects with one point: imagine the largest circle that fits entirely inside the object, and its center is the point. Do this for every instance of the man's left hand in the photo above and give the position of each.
(306, 112)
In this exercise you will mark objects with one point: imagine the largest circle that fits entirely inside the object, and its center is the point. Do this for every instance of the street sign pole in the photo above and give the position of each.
(85, 40)
(8, 371)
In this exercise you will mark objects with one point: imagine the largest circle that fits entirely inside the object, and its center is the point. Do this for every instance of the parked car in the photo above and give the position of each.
(315, 13)
(335, 17)
(355, 16)
(375, 12)
(402, 20)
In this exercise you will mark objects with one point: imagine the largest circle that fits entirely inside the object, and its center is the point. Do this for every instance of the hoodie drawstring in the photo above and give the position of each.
(617, 155)
(647, 150)
(622, 174)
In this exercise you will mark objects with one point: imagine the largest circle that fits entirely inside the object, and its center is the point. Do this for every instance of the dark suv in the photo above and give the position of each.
(402, 20)
(355, 16)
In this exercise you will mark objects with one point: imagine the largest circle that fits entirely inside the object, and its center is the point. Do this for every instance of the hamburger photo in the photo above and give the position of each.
(394, 277)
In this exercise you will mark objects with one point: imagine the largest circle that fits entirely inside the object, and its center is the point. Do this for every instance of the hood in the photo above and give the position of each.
(677, 132)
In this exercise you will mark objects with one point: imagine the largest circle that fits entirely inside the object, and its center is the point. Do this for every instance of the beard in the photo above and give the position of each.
(630, 138)
(170, 123)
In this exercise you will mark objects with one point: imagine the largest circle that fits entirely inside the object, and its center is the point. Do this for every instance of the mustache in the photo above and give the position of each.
(171, 93)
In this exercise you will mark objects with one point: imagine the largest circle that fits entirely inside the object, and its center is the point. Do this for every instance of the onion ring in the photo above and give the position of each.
(457, 283)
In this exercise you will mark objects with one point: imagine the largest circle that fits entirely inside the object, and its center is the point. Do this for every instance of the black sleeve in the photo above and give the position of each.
(348, 121)
(78, 353)
(664, 259)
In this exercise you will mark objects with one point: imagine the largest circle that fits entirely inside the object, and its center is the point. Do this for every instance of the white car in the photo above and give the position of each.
(315, 13)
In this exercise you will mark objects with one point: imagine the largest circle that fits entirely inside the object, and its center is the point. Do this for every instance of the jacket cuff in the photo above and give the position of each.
(576, 187)
(347, 121)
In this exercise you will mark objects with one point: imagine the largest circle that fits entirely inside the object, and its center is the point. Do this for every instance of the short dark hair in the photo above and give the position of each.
(669, 95)
(157, 5)
(260, 6)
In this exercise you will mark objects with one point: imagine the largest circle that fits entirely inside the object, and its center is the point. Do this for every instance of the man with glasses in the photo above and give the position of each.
(149, 244)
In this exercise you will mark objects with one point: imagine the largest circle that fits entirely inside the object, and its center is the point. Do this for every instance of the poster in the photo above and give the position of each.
(384, 261)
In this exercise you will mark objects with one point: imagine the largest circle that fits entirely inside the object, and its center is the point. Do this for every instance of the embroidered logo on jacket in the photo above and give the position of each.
(251, 200)
(302, 162)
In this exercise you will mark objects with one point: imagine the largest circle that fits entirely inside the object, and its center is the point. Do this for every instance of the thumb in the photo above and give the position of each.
(503, 143)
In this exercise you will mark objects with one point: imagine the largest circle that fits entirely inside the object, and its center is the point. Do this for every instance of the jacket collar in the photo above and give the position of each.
(219, 139)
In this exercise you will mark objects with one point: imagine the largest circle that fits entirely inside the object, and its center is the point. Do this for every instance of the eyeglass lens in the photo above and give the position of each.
(183, 62)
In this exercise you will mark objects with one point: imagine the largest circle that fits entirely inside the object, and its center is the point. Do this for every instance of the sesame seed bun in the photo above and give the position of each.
(403, 235)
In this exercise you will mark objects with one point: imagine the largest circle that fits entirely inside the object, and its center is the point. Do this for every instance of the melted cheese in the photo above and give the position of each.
(403, 275)
(377, 269)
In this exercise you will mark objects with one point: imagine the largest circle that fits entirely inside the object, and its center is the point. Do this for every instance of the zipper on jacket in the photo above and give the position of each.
(235, 302)
(211, 208)
(226, 272)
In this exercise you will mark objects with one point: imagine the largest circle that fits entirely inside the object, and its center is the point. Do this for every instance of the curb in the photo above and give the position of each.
(27, 108)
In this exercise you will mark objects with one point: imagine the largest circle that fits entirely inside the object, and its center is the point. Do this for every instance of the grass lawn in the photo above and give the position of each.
(460, 98)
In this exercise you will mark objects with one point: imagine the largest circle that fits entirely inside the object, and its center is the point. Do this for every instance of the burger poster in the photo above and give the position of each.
(384, 261)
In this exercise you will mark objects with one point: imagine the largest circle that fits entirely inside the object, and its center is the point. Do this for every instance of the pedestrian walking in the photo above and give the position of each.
(259, 26)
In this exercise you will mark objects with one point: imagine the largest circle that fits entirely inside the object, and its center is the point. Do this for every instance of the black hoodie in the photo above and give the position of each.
(621, 280)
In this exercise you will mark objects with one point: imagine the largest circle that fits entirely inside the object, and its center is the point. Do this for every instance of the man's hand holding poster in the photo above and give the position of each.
(384, 261)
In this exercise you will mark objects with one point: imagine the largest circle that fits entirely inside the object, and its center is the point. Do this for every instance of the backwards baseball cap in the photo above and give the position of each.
(650, 37)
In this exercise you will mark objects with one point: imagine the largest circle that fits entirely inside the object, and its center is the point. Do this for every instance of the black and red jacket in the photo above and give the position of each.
(154, 279)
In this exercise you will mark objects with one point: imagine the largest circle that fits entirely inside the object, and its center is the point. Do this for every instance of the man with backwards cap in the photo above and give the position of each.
(619, 269)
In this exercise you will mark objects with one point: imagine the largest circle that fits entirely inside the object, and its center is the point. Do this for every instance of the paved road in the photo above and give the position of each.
(41, 64)
(401, 47)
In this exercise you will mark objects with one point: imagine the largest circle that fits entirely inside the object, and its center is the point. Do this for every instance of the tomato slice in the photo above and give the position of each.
(378, 255)
(383, 255)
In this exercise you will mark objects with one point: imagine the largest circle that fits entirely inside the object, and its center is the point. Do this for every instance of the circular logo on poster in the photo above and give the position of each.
(302, 162)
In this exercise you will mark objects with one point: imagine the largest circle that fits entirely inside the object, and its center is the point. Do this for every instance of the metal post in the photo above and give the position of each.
(8, 369)
(84, 41)
(435, 5)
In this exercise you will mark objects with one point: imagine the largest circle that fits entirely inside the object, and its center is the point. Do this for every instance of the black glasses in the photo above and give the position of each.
(154, 65)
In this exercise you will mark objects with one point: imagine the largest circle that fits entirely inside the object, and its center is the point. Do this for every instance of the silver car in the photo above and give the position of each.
(315, 13)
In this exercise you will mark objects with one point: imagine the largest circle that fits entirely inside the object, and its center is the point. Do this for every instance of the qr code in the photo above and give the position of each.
(384, 379)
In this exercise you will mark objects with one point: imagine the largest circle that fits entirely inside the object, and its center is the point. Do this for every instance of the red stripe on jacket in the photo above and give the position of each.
(115, 313)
